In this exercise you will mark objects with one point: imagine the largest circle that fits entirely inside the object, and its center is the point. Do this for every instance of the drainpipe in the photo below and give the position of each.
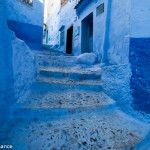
(106, 44)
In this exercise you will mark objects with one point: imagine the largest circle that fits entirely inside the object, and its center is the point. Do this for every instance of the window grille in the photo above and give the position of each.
(100, 9)
(27, 2)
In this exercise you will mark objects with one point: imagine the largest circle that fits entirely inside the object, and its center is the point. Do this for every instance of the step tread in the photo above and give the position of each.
(108, 130)
(67, 81)
(72, 70)
(57, 57)
(44, 51)
(67, 99)
(64, 57)
(51, 53)
(59, 60)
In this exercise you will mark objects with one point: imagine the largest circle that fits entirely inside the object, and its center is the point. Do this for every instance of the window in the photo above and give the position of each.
(27, 2)
(100, 9)
(62, 37)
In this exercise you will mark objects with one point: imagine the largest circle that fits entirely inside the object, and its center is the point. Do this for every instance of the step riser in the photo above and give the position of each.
(66, 58)
(54, 114)
(49, 54)
(74, 76)
(39, 57)
(56, 64)
(46, 87)
(61, 58)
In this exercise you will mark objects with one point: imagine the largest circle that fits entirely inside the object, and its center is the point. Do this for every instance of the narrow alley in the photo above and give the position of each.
(72, 84)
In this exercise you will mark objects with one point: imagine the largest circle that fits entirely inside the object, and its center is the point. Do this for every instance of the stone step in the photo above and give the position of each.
(42, 56)
(97, 130)
(70, 73)
(56, 63)
(61, 58)
(62, 103)
(66, 58)
(53, 84)
(51, 53)
(49, 47)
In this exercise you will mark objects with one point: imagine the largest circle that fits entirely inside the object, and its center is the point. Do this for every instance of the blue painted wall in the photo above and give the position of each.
(17, 66)
(140, 80)
(6, 67)
(31, 34)
(140, 19)
(99, 25)
(27, 22)
(140, 54)
(116, 42)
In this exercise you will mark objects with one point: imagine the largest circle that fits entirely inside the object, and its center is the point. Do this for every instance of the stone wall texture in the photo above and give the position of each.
(6, 67)
(17, 66)
(140, 80)
(139, 54)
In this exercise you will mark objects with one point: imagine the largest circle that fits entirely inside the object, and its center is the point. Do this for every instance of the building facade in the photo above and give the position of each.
(117, 32)
(90, 21)
(139, 54)
(26, 18)
(59, 21)
(50, 7)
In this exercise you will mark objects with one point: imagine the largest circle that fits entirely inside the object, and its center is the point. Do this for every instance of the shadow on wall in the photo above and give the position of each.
(25, 73)
(140, 80)
(31, 34)
(26, 22)
(17, 67)
(6, 67)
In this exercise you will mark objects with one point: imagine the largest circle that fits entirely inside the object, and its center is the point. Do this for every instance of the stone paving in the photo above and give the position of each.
(108, 130)
(69, 99)
(72, 70)
(68, 81)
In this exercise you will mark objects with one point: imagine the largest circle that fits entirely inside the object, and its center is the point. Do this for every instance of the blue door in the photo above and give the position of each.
(46, 36)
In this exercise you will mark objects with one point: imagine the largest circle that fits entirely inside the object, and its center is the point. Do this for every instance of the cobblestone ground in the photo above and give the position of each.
(69, 99)
(107, 130)
(70, 113)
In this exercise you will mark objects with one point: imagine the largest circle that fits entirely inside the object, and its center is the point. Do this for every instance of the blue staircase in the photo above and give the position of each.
(66, 109)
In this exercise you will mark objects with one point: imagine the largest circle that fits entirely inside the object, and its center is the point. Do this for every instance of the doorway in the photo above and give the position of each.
(69, 40)
(87, 34)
